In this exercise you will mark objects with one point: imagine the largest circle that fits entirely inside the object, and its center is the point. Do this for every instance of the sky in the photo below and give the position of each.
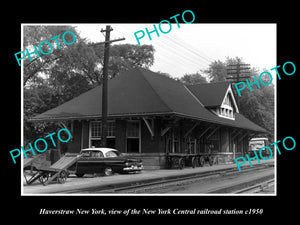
(192, 47)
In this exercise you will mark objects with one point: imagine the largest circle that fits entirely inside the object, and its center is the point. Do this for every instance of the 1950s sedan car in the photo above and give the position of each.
(105, 160)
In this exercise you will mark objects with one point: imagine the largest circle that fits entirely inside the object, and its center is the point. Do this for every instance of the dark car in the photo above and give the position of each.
(105, 160)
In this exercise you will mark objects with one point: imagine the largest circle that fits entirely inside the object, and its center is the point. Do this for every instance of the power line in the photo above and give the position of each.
(193, 47)
(178, 53)
(185, 47)
(161, 57)
(176, 49)
(166, 61)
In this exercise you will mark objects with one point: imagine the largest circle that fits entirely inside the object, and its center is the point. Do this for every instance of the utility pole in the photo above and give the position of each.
(235, 70)
(104, 85)
(104, 82)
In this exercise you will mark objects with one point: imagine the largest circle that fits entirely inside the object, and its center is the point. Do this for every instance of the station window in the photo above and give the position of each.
(176, 145)
(96, 129)
(96, 134)
(133, 136)
(111, 129)
(133, 129)
(225, 112)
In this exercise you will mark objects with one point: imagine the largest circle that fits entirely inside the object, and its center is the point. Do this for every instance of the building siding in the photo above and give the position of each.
(153, 149)
(74, 145)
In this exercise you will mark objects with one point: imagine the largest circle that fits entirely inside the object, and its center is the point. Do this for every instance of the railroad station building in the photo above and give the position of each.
(150, 115)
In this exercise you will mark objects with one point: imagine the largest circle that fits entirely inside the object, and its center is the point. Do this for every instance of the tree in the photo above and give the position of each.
(195, 78)
(258, 105)
(216, 72)
(124, 56)
(81, 58)
(70, 71)
(165, 74)
(34, 35)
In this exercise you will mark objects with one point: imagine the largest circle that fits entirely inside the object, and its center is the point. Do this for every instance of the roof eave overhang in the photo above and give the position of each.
(221, 123)
(115, 116)
(91, 117)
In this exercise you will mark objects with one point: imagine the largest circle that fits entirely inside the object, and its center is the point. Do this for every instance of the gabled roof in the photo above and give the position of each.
(212, 94)
(142, 92)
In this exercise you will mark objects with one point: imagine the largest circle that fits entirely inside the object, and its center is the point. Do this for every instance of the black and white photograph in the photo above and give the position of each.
(159, 117)
(151, 114)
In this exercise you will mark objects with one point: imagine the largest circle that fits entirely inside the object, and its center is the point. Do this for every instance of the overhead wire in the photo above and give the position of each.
(192, 48)
(166, 60)
(173, 47)
(177, 50)
(165, 47)
(184, 46)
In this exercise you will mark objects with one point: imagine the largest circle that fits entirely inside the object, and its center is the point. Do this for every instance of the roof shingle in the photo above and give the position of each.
(142, 92)
(210, 94)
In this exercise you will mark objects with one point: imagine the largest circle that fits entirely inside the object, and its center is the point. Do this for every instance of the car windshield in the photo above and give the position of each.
(96, 154)
(112, 154)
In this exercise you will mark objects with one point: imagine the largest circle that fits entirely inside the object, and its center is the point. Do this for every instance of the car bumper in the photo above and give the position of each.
(133, 168)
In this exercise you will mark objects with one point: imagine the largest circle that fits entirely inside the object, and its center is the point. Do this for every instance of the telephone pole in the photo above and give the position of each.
(235, 70)
(104, 82)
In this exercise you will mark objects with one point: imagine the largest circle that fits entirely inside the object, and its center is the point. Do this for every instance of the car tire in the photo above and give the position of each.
(79, 174)
(108, 171)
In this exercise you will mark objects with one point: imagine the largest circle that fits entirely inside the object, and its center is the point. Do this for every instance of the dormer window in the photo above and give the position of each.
(228, 106)
(216, 97)
(226, 112)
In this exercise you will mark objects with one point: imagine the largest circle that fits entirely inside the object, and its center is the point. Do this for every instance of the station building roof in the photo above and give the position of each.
(210, 94)
(141, 92)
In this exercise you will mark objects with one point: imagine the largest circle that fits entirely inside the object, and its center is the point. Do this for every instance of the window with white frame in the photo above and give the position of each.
(226, 110)
(111, 129)
(96, 133)
(96, 129)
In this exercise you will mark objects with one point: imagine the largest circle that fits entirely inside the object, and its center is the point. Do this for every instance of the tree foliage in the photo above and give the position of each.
(258, 105)
(65, 73)
(195, 78)
(216, 72)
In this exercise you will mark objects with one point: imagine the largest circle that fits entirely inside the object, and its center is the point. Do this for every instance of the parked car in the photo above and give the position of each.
(105, 160)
